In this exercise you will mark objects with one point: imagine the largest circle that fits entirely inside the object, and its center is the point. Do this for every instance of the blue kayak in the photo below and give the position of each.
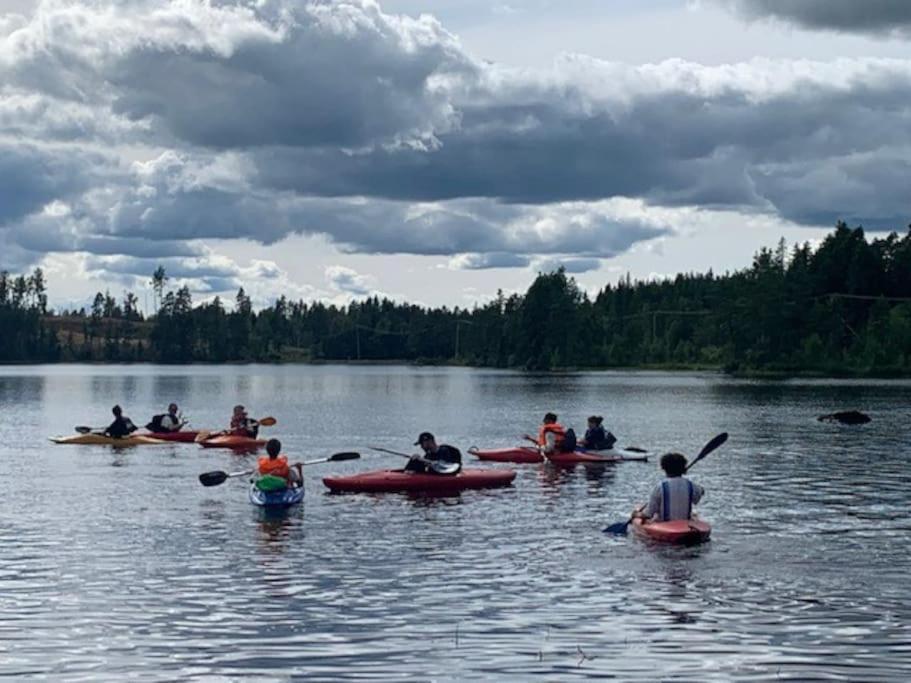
(292, 495)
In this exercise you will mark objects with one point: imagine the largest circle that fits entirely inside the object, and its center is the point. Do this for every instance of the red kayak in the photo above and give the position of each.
(681, 532)
(238, 443)
(521, 454)
(179, 437)
(589, 457)
(388, 481)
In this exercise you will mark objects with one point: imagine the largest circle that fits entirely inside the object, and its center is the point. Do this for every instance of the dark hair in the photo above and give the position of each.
(117, 410)
(273, 447)
(673, 464)
(550, 417)
(597, 419)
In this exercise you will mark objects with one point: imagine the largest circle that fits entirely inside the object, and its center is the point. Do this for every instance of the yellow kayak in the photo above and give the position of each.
(102, 440)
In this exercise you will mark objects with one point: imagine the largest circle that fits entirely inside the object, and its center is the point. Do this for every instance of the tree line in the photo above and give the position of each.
(843, 308)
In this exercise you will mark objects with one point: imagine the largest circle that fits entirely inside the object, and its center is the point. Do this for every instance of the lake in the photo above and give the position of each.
(118, 565)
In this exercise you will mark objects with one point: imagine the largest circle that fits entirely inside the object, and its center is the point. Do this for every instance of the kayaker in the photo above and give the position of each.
(276, 465)
(242, 425)
(121, 426)
(596, 437)
(433, 452)
(167, 422)
(674, 498)
(551, 435)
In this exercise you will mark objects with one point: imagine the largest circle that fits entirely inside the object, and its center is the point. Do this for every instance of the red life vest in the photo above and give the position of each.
(557, 429)
(277, 467)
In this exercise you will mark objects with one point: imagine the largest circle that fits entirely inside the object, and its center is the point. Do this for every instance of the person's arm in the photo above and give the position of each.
(130, 427)
(698, 493)
(550, 442)
(653, 507)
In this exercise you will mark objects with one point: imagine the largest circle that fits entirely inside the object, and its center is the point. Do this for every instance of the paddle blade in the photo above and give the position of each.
(709, 447)
(618, 529)
(82, 429)
(337, 457)
(267, 422)
(213, 478)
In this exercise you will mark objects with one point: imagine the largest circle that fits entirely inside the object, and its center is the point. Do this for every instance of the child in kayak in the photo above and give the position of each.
(674, 498)
(434, 453)
(121, 426)
(596, 437)
(276, 466)
(242, 425)
(552, 436)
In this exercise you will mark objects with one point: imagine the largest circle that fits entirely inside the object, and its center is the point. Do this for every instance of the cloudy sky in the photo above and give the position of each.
(437, 150)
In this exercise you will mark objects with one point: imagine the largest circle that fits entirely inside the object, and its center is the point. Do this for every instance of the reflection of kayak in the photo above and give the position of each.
(102, 440)
(276, 499)
(233, 441)
(179, 437)
(398, 480)
(585, 457)
(523, 454)
(682, 532)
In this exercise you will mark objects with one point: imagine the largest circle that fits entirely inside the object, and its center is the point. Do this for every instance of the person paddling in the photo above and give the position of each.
(596, 437)
(674, 498)
(121, 426)
(276, 466)
(434, 453)
(242, 425)
(551, 436)
(166, 422)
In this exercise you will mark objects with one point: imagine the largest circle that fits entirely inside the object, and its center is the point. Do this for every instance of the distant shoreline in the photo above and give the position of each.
(758, 374)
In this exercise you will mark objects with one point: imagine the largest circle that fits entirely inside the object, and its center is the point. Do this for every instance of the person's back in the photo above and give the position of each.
(121, 426)
(276, 466)
(674, 498)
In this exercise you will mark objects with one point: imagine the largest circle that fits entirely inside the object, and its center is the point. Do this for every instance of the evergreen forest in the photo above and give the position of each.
(843, 308)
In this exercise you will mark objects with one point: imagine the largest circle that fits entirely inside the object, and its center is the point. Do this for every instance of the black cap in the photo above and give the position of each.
(425, 436)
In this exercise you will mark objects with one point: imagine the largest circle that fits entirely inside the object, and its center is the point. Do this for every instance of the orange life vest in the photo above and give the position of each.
(557, 430)
(277, 468)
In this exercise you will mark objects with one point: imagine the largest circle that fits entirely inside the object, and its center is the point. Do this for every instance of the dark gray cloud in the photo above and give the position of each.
(240, 120)
(849, 16)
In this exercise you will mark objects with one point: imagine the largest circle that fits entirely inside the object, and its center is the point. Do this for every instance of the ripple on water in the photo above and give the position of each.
(121, 567)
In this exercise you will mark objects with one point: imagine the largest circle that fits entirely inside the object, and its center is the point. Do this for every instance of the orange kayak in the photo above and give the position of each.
(680, 532)
(238, 443)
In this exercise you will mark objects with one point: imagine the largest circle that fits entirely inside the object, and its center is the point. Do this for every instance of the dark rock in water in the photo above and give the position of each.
(847, 417)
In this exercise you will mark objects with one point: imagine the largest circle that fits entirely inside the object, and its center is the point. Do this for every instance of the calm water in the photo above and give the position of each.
(119, 565)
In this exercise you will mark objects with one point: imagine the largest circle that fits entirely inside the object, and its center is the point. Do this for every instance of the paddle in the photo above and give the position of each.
(88, 430)
(218, 477)
(438, 467)
(621, 527)
(611, 455)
